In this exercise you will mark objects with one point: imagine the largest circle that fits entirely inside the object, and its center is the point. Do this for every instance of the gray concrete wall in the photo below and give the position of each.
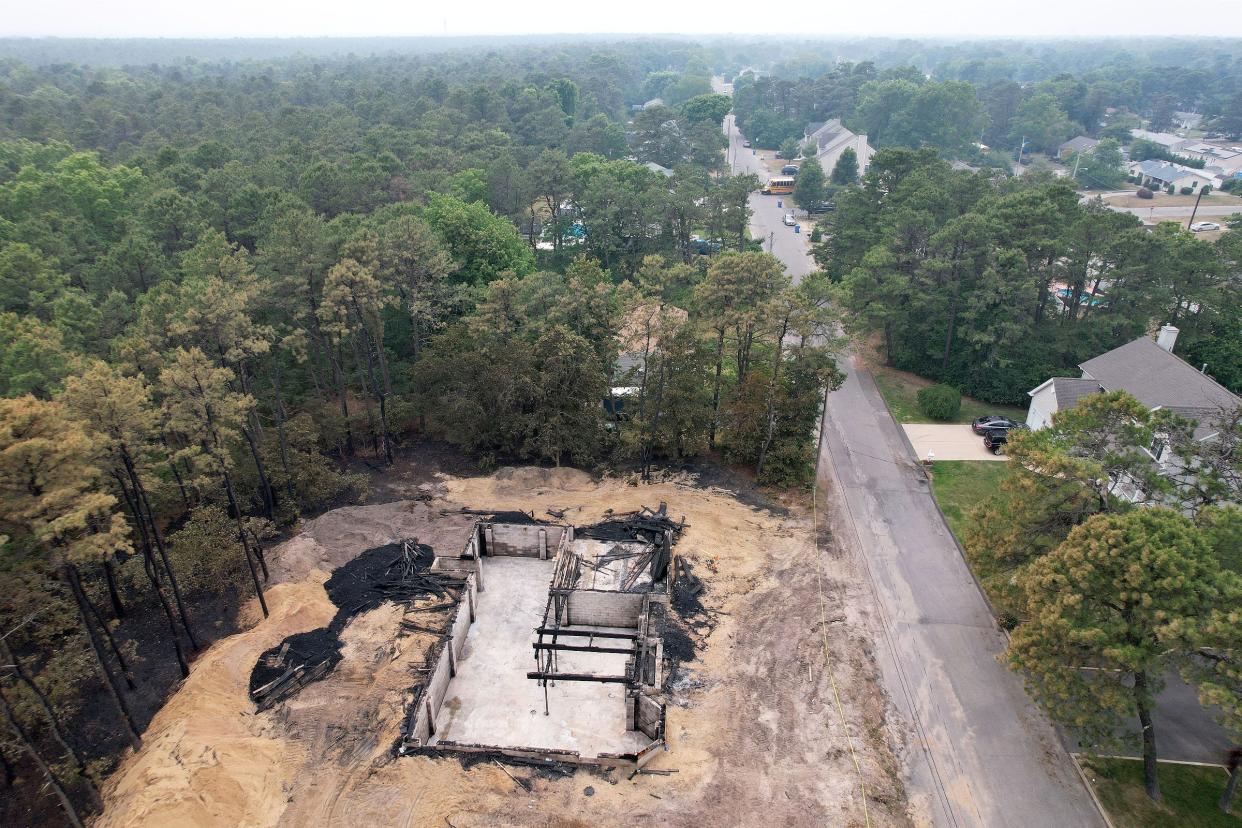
(420, 718)
(523, 541)
(591, 608)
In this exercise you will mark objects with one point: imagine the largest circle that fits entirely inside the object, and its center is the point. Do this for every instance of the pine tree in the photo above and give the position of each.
(1125, 594)
(50, 488)
(199, 404)
(845, 171)
(121, 418)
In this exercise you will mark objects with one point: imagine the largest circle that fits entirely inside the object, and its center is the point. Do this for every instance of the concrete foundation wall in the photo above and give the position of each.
(590, 608)
(523, 541)
(461, 567)
(426, 706)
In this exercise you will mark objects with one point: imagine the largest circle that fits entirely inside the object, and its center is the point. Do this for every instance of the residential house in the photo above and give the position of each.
(1157, 174)
(831, 139)
(1075, 146)
(1171, 142)
(1150, 372)
(1221, 161)
(1188, 120)
(1146, 369)
(656, 168)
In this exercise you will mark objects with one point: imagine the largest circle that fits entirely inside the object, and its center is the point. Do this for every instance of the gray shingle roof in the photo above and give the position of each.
(1165, 171)
(1069, 390)
(1157, 378)
(1079, 144)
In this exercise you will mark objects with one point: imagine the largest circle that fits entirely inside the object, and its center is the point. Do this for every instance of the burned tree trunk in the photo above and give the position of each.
(114, 595)
(53, 720)
(15, 726)
(241, 536)
(144, 503)
(70, 574)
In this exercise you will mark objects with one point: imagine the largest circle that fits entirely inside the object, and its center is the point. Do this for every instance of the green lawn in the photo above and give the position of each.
(960, 485)
(1190, 795)
(900, 393)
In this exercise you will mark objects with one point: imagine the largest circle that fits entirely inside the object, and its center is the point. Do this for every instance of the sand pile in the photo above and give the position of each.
(337, 537)
(207, 759)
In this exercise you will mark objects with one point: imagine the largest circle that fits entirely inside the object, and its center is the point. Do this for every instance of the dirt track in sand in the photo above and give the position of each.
(753, 732)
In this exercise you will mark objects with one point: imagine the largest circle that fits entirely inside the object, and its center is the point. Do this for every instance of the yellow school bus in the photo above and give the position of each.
(779, 185)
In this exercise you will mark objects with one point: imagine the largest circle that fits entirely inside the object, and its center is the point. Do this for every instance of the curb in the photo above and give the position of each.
(1099, 806)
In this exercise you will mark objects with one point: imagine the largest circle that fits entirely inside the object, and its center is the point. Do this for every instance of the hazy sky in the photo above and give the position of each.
(302, 18)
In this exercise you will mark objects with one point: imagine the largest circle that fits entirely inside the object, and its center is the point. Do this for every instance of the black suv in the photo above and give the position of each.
(995, 438)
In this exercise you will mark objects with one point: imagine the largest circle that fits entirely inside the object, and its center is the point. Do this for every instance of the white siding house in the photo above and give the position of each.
(1056, 394)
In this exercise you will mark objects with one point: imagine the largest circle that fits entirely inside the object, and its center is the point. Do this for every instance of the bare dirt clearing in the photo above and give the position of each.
(753, 728)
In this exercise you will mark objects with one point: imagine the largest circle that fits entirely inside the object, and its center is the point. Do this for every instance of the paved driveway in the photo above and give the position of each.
(948, 442)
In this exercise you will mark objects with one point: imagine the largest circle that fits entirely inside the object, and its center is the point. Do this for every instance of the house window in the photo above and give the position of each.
(1158, 446)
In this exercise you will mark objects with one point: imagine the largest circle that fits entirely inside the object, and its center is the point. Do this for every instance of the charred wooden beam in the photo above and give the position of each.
(578, 677)
(584, 648)
(585, 633)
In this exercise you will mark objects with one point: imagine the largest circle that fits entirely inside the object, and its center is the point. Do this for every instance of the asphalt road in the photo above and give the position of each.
(1202, 214)
(768, 212)
(981, 753)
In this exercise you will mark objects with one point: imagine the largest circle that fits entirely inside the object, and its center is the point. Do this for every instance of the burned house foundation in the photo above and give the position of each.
(556, 653)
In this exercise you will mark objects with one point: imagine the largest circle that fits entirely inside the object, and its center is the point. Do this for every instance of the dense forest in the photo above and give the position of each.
(230, 290)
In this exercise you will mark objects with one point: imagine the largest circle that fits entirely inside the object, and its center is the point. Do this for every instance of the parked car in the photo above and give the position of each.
(746, 143)
(981, 425)
(822, 207)
(995, 439)
(789, 169)
(1200, 226)
(790, 220)
(705, 247)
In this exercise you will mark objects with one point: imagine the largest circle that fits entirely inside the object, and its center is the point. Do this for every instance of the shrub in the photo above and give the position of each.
(940, 402)
(1143, 192)
(816, 235)
(1207, 188)
(1188, 190)
(1169, 189)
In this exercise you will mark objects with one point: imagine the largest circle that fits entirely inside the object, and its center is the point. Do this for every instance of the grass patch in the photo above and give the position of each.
(900, 393)
(1190, 794)
(1163, 199)
(960, 485)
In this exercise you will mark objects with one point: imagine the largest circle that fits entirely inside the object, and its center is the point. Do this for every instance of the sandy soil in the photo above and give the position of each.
(753, 728)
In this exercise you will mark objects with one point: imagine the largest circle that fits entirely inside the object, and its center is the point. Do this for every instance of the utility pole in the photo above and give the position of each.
(771, 239)
(1021, 149)
(1191, 221)
(1077, 158)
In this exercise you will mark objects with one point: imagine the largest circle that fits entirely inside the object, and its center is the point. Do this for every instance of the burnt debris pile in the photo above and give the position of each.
(647, 525)
(395, 572)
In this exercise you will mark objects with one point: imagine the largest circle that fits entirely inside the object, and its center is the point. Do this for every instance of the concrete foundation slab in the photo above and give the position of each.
(491, 701)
